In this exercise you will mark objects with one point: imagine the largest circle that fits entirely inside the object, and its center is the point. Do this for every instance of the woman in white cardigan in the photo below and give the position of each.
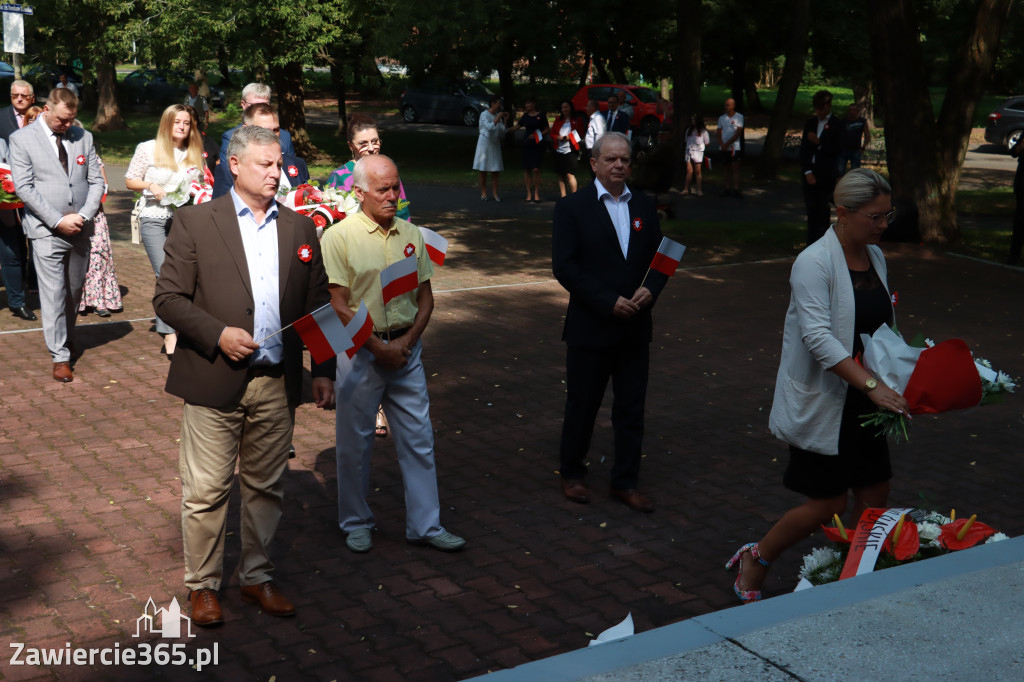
(839, 291)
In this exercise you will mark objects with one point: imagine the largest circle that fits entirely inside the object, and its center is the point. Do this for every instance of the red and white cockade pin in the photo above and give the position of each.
(205, 155)
(305, 253)
(409, 249)
(638, 224)
(80, 160)
(895, 297)
(293, 171)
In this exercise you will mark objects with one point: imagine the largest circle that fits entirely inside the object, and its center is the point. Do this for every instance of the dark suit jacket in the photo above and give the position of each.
(8, 124)
(223, 180)
(822, 159)
(286, 143)
(588, 262)
(204, 287)
(619, 122)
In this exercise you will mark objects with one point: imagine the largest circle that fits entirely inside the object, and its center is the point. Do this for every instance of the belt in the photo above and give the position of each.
(272, 371)
(394, 333)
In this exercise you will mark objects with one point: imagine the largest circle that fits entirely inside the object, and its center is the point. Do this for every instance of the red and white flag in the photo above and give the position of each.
(358, 329)
(323, 333)
(437, 246)
(537, 136)
(666, 260)
(399, 278)
(574, 140)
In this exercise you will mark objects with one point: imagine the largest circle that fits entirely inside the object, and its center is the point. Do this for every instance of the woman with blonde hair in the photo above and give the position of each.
(160, 170)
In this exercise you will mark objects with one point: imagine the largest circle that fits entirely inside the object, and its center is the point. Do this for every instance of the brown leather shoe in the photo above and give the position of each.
(62, 372)
(205, 607)
(575, 490)
(634, 499)
(269, 598)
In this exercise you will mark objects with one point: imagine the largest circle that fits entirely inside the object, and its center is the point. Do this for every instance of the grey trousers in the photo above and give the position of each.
(61, 265)
(154, 234)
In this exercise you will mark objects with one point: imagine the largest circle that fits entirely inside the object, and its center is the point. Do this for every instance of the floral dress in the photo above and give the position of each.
(342, 179)
(101, 290)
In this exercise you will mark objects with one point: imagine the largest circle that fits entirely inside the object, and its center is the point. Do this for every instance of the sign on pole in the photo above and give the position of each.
(14, 32)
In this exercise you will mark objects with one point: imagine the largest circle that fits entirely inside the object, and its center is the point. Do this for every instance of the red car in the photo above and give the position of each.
(644, 103)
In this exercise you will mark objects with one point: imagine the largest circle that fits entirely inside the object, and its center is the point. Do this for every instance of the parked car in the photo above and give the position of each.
(162, 87)
(461, 99)
(44, 77)
(1006, 123)
(644, 103)
(6, 70)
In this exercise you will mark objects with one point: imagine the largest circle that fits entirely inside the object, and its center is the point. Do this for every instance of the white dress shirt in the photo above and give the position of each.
(261, 255)
(618, 211)
(595, 129)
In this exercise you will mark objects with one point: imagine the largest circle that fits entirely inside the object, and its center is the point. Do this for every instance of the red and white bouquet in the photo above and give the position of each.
(933, 377)
(890, 537)
(191, 186)
(324, 206)
(8, 195)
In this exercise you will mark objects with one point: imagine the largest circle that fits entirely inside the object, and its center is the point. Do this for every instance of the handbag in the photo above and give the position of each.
(136, 220)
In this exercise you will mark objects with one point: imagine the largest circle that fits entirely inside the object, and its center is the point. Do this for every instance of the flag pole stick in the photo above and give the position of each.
(273, 335)
(644, 280)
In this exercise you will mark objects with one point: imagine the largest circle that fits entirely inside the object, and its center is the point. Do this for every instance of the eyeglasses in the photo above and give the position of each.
(18, 95)
(876, 217)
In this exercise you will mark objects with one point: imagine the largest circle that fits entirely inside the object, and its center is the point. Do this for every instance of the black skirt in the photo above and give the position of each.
(565, 164)
(863, 458)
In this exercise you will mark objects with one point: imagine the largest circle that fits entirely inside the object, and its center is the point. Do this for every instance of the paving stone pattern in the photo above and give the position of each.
(90, 494)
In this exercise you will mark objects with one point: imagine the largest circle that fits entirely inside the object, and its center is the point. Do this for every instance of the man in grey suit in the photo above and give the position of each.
(57, 173)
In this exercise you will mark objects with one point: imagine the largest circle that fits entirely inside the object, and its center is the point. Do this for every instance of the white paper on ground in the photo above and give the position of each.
(623, 629)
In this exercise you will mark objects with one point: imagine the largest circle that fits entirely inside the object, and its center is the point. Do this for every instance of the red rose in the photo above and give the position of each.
(7, 184)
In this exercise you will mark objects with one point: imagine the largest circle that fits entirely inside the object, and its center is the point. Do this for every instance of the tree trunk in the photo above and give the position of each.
(688, 78)
(863, 97)
(338, 80)
(602, 72)
(222, 65)
(288, 82)
(739, 80)
(108, 113)
(507, 88)
(789, 83)
(753, 99)
(585, 73)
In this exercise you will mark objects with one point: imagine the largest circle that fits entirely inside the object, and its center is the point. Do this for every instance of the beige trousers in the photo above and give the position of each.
(256, 436)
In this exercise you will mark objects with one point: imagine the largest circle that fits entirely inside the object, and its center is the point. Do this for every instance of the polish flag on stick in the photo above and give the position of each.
(537, 136)
(358, 329)
(666, 260)
(323, 333)
(398, 278)
(574, 140)
(437, 246)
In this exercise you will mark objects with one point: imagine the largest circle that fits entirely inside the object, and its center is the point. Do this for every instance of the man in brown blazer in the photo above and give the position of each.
(237, 270)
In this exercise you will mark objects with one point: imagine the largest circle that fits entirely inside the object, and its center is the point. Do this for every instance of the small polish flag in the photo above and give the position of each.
(323, 333)
(537, 136)
(398, 278)
(359, 329)
(667, 259)
(574, 140)
(437, 246)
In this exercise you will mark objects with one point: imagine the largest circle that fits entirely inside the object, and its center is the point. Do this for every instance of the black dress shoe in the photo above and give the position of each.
(24, 313)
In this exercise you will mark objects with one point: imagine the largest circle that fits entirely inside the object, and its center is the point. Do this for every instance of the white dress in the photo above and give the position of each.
(488, 144)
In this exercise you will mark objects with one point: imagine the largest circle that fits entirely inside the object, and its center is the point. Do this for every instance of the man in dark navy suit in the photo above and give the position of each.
(293, 169)
(618, 121)
(819, 157)
(252, 94)
(604, 240)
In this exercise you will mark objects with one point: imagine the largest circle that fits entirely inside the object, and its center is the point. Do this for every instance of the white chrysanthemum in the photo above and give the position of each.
(929, 532)
(820, 560)
(1005, 383)
(998, 537)
(937, 518)
(929, 342)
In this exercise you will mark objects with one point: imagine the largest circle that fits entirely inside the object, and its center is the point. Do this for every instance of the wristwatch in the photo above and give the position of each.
(870, 385)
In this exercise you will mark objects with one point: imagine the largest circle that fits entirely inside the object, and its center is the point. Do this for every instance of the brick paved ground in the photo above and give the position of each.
(89, 493)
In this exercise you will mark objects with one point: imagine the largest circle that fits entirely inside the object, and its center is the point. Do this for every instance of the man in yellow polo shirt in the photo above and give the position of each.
(387, 370)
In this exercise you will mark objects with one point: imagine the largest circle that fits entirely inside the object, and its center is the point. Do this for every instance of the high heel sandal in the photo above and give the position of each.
(745, 596)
